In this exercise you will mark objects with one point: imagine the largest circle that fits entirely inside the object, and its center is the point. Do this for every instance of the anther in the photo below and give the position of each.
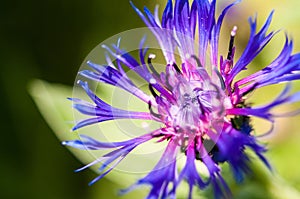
(231, 42)
(150, 57)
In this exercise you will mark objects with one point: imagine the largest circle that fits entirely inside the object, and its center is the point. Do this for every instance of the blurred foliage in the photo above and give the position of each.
(57, 111)
(49, 40)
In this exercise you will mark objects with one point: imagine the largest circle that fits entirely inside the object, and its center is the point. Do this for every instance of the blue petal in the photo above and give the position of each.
(151, 18)
(141, 15)
(112, 158)
(102, 111)
(167, 16)
(88, 143)
(214, 40)
(206, 18)
(88, 122)
(255, 45)
(162, 175)
(190, 173)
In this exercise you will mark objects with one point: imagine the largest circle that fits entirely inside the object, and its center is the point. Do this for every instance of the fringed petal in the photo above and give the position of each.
(101, 110)
(190, 173)
(163, 175)
(221, 189)
(265, 111)
(206, 20)
(255, 45)
(112, 158)
(214, 40)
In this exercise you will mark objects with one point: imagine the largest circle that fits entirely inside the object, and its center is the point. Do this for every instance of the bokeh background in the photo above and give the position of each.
(49, 40)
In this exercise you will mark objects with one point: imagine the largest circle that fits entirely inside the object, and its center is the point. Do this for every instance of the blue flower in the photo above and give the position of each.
(203, 111)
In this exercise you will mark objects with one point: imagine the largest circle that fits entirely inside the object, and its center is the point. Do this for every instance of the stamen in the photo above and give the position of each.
(152, 91)
(220, 78)
(152, 112)
(232, 35)
(176, 68)
(197, 60)
(150, 57)
(169, 87)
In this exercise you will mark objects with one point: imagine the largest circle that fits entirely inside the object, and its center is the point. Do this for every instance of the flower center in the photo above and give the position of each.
(198, 105)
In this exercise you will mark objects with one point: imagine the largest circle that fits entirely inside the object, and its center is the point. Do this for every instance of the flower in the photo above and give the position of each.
(203, 110)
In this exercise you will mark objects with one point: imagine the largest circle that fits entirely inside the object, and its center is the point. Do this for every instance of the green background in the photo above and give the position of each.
(48, 40)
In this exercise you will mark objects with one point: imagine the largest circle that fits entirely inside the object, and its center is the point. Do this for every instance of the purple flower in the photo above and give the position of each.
(203, 110)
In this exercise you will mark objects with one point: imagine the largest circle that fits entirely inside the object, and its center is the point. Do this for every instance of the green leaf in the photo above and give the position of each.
(51, 100)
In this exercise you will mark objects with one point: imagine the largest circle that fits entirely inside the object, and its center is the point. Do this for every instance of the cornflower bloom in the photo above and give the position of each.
(204, 113)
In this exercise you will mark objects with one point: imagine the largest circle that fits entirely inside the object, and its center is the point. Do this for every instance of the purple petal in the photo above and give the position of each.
(162, 175)
(220, 187)
(167, 21)
(206, 20)
(189, 172)
(88, 143)
(265, 111)
(112, 158)
(102, 111)
(216, 33)
(255, 45)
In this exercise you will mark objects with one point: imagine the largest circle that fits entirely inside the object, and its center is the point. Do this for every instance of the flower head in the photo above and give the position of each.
(202, 109)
